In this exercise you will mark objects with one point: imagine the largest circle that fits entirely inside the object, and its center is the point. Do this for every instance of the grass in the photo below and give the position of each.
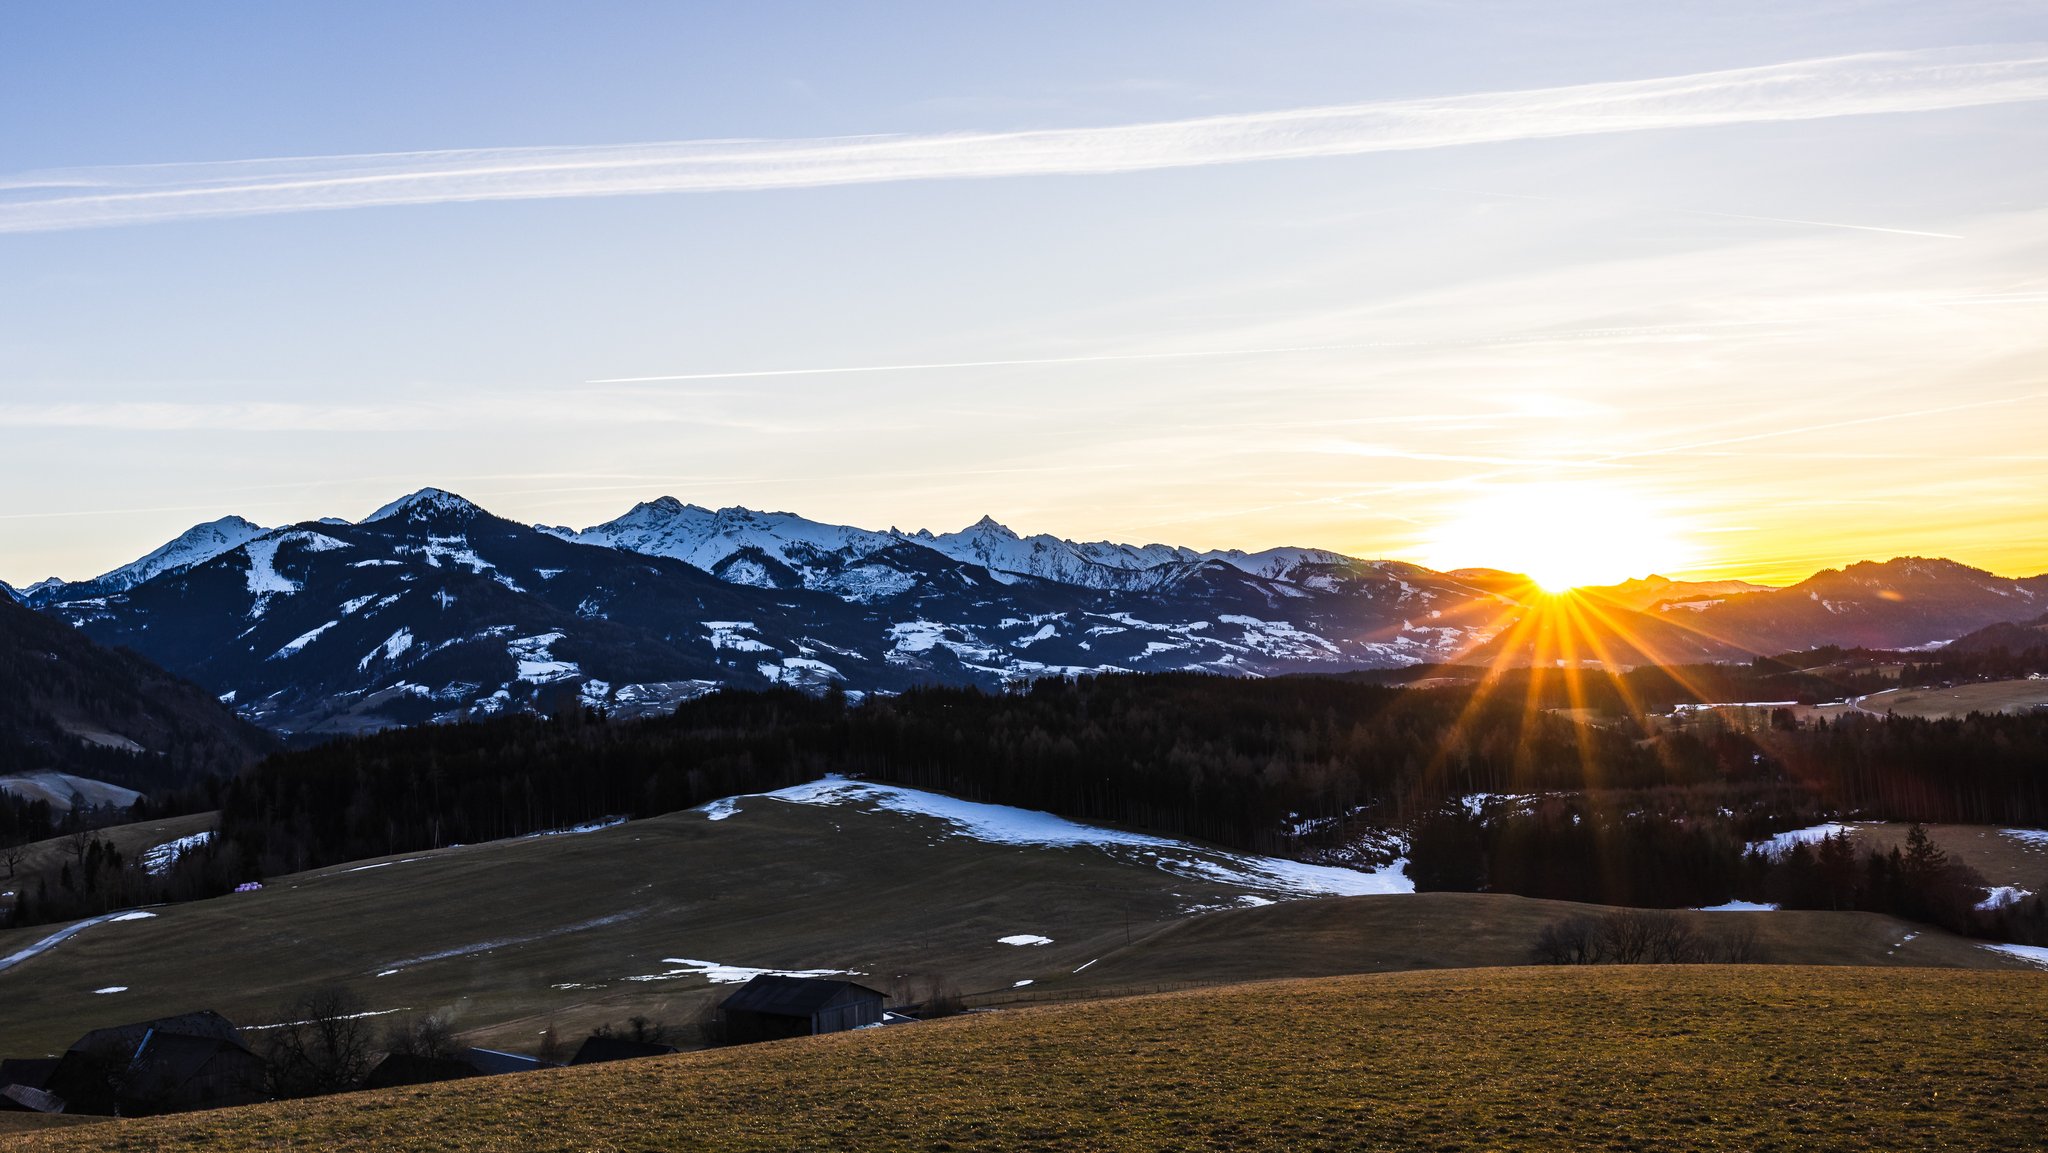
(1709, 1058)
(2003, 860)
(513, 937)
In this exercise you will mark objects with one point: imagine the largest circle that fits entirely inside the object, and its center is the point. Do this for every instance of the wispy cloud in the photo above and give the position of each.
(1916, 81)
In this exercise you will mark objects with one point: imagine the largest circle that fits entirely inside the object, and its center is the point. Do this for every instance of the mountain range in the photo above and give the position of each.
(432, 608)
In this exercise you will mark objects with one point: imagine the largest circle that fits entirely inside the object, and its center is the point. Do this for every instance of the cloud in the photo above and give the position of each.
(1914, 81)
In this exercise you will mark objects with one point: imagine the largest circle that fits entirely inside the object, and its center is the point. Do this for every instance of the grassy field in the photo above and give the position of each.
(1710, 1058)
(2003, 859)
(1962, 700)
(511, 938)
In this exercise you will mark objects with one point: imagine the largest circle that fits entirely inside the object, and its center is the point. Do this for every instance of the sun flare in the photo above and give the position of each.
(1562, 536)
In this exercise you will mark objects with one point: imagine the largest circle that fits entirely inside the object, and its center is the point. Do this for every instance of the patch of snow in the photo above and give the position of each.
(718, 974)
(537, 665)
(727, 635)
(349, 608)
(2032, 838)
(291, 647)
(137, 915)
(1812, 835)
(1020, 984)
(394, 646)
(720, 809)
(1085, 964)
(158, 861)
(2034, 955)
(2003, 895)
(1023, 939)
(586, 827)
(111, 989)
(1740, 907)
(1002, 824)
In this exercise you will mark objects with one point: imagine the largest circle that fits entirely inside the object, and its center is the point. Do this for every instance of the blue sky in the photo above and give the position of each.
(1768, 344)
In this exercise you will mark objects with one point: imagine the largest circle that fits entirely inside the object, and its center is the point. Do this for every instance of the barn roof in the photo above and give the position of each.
(33, 1072)
(794, 996)
(126, 1039)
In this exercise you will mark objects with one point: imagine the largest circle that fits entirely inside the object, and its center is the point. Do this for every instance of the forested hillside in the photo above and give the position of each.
(70, 705)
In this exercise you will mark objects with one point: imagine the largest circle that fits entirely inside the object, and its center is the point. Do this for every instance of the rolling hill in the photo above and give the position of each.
(653, 917)
(1704, 1058)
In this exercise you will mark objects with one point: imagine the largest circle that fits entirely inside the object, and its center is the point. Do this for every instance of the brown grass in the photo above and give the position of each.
(1712, 1058)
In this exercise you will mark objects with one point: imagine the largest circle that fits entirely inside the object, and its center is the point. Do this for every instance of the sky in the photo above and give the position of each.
(1717, 290)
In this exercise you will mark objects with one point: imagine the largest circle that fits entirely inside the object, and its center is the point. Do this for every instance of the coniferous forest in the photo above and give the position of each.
(1294, 766)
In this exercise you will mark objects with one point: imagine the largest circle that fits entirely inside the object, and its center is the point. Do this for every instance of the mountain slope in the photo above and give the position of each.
(195, 545)
(1906, 602)
(68, 705)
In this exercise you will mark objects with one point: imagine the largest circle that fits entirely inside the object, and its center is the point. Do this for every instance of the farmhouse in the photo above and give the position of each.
(191, 1061)
(769, 1008)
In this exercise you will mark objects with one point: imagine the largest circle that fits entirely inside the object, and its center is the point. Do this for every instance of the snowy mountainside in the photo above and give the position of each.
(200, 543)
(434, 609)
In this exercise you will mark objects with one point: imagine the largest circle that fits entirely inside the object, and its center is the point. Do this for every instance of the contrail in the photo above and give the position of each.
(1913, 81)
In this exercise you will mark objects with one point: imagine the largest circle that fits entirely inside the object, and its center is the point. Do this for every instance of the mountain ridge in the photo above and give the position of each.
(434, 608)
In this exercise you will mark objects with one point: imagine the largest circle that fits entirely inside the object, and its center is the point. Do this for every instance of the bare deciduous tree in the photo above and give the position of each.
(323, 1045)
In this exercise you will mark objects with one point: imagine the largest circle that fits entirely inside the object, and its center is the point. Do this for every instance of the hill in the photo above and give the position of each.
(654, 917)
(70, 706)
(1636, 1057)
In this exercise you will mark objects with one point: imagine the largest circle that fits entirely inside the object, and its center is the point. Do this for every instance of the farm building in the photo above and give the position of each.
(191, 1061)
(410, 1069)
(769, 1008)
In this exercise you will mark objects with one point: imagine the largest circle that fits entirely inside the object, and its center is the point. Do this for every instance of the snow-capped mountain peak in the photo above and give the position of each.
(427, 504)
(201, 542)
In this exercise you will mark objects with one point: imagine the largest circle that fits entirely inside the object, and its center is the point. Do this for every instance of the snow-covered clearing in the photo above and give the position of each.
(158, 860)
(1005, 825)
(719, 974)
(1812, 835)
(2003, 895)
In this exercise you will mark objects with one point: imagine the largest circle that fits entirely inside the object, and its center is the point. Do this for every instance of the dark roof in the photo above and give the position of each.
(598, 1049)
(23, 1099)
(493, 1062)
(407, 1069)
(33, 1072)
(126, 1039)
(795, 996)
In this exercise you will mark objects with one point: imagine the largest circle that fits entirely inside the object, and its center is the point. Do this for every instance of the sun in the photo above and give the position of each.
(1560, 535)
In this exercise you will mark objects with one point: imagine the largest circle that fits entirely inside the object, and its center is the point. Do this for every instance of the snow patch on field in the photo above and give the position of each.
(394, 646)
(728, 635)
(158, 861)
(1740, 907)
(1812, 835)
(719, 974)
(111, 989)
(1023, 939)
(720, 809)
(2032, 838)
(2034, 955)
(573, 830)
(137, 915)
(1004, 825)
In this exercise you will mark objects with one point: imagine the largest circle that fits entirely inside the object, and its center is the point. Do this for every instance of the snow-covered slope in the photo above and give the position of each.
(761, 549)
(196, 545)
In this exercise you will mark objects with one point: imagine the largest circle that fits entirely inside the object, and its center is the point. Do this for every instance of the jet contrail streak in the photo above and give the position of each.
(1860, 85)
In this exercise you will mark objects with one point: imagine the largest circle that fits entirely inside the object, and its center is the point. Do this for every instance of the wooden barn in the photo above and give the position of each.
(771, 1008)
(191, 1061)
